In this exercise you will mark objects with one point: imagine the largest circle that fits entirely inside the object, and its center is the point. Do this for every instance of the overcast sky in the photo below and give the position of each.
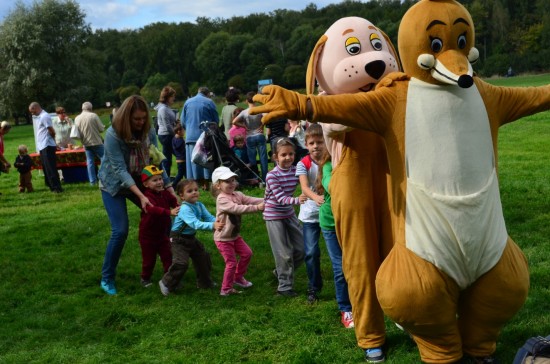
(133, 14)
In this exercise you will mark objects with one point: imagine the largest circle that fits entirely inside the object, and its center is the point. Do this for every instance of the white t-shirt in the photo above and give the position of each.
(309, 211)
(41, 123)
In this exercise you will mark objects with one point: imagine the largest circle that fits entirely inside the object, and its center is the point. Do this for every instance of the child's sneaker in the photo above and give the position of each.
(230, 291)
(163, 289)
(312, 297)
(288, 293)
(146, 283)
(242, 283)
(374, 355)
(108, 287)
(347, 320)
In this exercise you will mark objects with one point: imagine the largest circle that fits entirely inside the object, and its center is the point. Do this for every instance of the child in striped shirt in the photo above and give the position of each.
(283, 227)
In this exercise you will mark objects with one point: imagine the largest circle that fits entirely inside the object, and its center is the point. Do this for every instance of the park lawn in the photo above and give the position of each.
(52, 309)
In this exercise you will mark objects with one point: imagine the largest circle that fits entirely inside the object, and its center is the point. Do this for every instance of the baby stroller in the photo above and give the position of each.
(215, 152)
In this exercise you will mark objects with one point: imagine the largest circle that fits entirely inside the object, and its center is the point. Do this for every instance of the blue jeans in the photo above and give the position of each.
(118, 217)
(92, 152)
(340, 284)
(168, 151)
(256, 145)
(312, 231)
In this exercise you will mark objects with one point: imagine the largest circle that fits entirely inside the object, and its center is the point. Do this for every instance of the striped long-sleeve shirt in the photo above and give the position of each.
(279, 190)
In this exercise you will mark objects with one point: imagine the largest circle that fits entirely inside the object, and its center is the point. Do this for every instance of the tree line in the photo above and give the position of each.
(49, 54)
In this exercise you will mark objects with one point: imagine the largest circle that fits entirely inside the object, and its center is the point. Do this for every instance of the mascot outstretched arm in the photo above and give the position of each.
(454, 276)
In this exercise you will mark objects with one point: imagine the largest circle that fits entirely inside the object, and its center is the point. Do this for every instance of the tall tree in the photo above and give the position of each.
(39, 54)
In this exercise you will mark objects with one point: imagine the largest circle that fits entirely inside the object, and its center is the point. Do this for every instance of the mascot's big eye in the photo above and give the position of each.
(437, 45)
(353, 46)
(376, 42)
(461, 41)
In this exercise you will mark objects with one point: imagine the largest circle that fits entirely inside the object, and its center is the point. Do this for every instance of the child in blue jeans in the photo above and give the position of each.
(326, 221)
(306, 171)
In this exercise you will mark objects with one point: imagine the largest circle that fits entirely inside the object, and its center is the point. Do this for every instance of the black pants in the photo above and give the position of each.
(49, 164)
(168, 151)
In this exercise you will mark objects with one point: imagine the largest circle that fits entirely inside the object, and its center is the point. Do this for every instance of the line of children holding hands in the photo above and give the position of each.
(291, 243)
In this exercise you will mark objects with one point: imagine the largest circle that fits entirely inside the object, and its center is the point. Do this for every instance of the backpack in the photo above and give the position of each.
(536, 350)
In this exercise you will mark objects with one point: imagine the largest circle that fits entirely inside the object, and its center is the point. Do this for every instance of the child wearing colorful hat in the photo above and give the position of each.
(155, 224)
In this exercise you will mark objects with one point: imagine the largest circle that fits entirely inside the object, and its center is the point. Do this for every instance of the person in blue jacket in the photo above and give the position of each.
(196, 110)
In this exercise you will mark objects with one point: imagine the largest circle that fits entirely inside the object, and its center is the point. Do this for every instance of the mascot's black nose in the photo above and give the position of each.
(375, 69)
(465, 81)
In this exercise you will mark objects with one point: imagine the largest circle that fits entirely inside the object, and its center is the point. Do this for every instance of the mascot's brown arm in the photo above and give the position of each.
(371, 111)
(511, 103)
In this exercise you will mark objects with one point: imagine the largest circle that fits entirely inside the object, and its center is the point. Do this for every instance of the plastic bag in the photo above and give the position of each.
(75, 133)
(200, 155)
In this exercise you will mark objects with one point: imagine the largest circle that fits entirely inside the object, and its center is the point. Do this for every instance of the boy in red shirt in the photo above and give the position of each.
(154, 227)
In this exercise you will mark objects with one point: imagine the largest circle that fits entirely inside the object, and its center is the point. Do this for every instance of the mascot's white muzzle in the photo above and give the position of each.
(443, 74)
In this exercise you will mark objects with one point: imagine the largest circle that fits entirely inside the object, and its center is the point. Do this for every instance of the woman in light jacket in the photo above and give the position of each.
(126, 154)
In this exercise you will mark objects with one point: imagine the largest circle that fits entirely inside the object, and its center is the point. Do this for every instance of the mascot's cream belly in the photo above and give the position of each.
(453, 213)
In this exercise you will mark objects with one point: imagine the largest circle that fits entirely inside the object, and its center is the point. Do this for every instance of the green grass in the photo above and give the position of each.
(52, 309)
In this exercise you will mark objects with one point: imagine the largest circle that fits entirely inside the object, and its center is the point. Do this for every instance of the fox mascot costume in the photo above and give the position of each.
(352, 56)
(454, 277)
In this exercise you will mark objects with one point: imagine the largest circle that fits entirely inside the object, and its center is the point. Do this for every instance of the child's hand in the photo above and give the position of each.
(218, 225)
(302, 198)
(261, 206)
(174, 211)
(319, 200)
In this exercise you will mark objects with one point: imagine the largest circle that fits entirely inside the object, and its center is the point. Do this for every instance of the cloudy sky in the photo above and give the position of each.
(133, 14)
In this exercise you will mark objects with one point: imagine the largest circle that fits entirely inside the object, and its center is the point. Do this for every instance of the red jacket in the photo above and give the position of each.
(157, 221)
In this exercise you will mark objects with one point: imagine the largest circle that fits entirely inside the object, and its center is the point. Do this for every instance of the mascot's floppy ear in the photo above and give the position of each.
(312, 64)
(392, 49)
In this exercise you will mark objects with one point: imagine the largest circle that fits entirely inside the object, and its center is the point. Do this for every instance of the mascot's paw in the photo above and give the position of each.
(388, 80)
(279, 102)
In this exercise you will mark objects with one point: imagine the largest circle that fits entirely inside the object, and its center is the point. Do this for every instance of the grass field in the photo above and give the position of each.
(52, 309)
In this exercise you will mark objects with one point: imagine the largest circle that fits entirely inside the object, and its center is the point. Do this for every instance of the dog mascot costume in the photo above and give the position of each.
(453, 277)
(352, 56)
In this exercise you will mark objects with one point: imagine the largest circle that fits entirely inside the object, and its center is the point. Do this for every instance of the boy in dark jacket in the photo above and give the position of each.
(23, 163)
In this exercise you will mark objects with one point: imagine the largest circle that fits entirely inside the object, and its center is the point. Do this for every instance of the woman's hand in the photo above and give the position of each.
(144, 201)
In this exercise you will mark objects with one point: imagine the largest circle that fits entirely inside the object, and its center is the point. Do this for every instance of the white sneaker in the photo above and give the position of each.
(243, 283)
(163, 289)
